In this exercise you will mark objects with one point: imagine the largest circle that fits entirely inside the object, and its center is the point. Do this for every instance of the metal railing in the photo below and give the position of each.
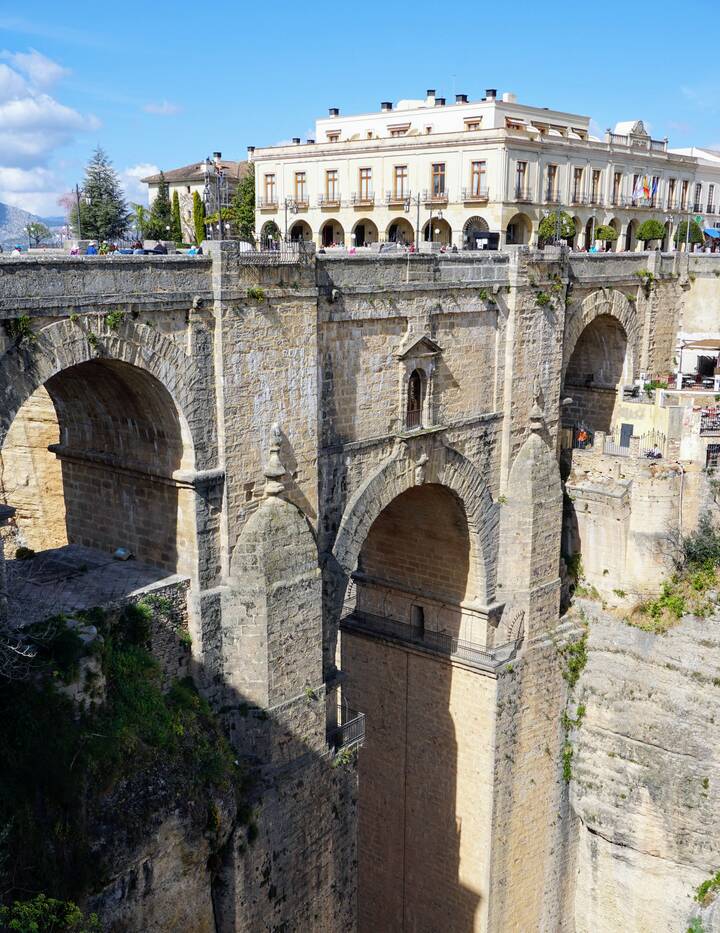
(435, 197)
(327, 200)
(522, 194)
(710, 209)
(267, 203)
(365, 199)
(646, 443)
(697, 206)
(552, 197)
(413, 419)
(440, 642)
(481, 194)
(349, 730)
(397, 197)
(274, 253)
(629, 201)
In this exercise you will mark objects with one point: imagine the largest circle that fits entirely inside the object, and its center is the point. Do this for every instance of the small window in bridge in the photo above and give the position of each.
(415, 399)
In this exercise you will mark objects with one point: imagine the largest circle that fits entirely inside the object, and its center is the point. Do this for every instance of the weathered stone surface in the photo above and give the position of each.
(645, 776)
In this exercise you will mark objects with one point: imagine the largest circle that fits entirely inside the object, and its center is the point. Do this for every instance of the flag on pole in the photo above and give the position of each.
(646, 187)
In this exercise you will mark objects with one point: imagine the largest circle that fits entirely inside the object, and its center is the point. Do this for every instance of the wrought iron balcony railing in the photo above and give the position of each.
(522, 193)
(475, 194)
(349, 730)
(366, 199)
(329, 200)
(398, 197)
(267, 204)
(435, 197)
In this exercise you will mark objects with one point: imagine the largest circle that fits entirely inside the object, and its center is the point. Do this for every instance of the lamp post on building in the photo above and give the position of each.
(292, 207)
(214, 170)
(406, 207)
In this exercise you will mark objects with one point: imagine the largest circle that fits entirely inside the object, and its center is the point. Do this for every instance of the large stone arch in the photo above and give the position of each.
(64, 344)
(610, 302)
(411, 466)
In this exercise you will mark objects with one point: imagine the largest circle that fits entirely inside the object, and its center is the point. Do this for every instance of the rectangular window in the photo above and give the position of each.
(711, 199)
(684, 195)
(333, 137)
(671, 193)
(400, 181)
(712, 458)
(478, 179)
(521, 180)
(697, 206)
(300, 189)
(577, 184)
(473, 123)
(438, 179)
(365, 183)
(332, 191)
(595, 186)
(551, 191)
(617, 187)
(270, 189)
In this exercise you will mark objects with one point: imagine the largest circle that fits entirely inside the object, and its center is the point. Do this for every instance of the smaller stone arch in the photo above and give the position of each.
(332, 233)
(609, 302)
(364, 232)
(269, 233)
(473, 230)
(401, 231)
(301, 230)
(437, 230)
(412, 464)
(518, 229)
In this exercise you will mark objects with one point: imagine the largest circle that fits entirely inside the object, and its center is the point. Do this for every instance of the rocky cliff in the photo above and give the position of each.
(646, 778)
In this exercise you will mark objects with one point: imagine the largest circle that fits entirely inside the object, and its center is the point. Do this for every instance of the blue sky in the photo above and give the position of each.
(162, 85)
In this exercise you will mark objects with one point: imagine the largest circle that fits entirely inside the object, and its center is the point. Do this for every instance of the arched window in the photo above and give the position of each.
(415, 399)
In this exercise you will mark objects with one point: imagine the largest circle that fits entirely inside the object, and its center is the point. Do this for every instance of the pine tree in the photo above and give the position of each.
(176, 225)
(160, 224)
(103, 211)
(242, 207)
(198, 217)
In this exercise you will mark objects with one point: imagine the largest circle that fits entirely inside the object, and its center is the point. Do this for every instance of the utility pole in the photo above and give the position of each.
(77, 199)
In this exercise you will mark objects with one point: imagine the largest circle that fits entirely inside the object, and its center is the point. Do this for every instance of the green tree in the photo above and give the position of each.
(159, 225)
(103, 211)
(549, 227)
(606, 234)
(140, 217)
(37, 232)
(696, 234)
(198, 217)
(176, 225)
(46, 915)
(650, 230)
(242, 206)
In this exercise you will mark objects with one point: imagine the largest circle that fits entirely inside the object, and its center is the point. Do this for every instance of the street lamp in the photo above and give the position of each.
(293, 208)
(213, 169)
(406, 207)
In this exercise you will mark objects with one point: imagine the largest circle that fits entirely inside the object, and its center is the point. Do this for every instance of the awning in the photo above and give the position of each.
(712, 232)
(705, 343)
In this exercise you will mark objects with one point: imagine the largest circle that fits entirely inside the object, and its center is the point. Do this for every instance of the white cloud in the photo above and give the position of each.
(40, 70)
(162, 108)
(135, 191)
(34, 125)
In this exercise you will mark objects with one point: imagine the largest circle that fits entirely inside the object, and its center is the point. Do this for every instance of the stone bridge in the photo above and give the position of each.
(419, 401)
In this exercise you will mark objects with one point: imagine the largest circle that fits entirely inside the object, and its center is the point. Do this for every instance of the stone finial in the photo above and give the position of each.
(537, 415)
(420, 469)
(273, 469)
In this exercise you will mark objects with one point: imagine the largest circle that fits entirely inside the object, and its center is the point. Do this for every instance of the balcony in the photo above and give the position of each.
(552, 197)
(349, 731)
(671, 204)
(397, 198)
(435, 197)
(595, 200)
(267, 204)
(362, 200)
(328, 202)
(475, 195)
(641, 203)
(710, 423)
(472, 653)
(697, 207)
(710, 209)
(637, 142)
(522, 193)
(576, 198)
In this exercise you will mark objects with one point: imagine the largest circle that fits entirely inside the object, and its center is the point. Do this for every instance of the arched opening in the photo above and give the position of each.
(519, 230)
(475, 233)
(301, 230)
(631, 236)
(667, 236)
(589, 233)
(332, 233)
(416, 392)
(438, 230)
(598, 368)
(423, 767)
(615, 245)
(401, 231)
(577, 234)
(269, 234)
(364, 233)
(111, 479)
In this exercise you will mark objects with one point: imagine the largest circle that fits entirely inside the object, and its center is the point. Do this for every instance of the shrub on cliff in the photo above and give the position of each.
(702, 546)
(46, 915)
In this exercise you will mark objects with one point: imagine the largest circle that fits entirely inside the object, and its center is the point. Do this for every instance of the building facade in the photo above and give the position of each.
(475, 174)
(214, 181)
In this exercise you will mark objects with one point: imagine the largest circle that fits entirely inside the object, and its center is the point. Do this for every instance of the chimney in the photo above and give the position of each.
(334, 112)
(296, 140)
(461, 98)
(386, 105)
(430, 98)
(439, 101)
(309, 141)
(509, 98)
(251, 152)
(217, 156)
(491, 93)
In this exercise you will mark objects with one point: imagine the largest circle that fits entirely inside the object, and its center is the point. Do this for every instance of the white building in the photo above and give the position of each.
(212, 180)
(475, 174)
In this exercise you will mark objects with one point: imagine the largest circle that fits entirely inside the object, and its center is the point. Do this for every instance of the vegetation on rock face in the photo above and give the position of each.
(708, 890)
(46, 915)
(64, 770)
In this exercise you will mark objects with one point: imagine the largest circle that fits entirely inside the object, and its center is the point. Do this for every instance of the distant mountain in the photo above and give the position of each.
(52, 222)
(13, 222)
